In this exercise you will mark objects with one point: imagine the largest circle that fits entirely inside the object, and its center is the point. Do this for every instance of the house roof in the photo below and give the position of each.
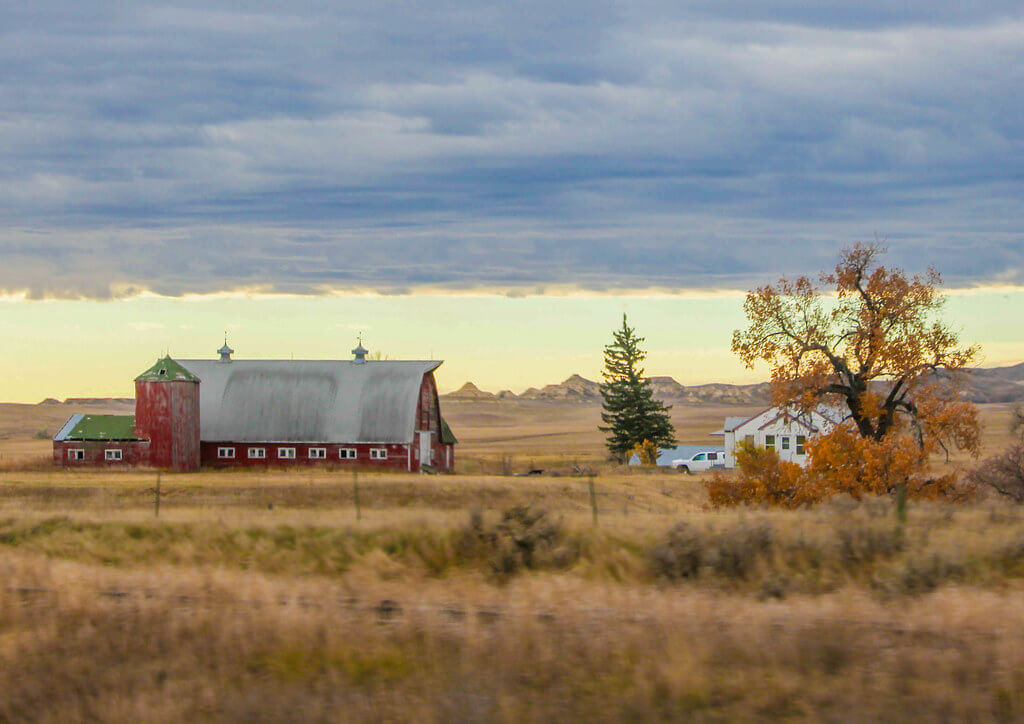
(98, 427)
(167, 370)
(308, 401)
(788, 417)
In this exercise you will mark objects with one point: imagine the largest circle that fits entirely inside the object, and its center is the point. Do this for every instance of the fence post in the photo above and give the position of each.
(355, 494)
(593, 498)
(156, 501)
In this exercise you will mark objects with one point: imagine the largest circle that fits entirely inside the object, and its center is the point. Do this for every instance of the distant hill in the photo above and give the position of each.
(99, 401)
(994, 384)
(469, 391)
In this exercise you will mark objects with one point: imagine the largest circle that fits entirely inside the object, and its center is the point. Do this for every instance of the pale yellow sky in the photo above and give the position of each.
(64, 348)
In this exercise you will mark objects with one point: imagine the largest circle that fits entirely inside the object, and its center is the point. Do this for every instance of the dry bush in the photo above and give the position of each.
(841, 462)
(524, 538)
(1002, 473)
(732, 553)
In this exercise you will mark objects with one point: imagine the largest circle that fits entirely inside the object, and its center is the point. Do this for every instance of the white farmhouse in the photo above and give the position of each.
(782, 429)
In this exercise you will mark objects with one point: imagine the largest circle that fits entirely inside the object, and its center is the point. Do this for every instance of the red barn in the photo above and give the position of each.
(242, 413)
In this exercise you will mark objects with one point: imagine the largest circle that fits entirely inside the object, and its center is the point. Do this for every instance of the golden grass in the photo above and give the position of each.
(260, 596)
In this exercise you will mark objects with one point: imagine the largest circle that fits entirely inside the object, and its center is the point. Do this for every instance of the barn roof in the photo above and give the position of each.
(98, 427)
(308, 401)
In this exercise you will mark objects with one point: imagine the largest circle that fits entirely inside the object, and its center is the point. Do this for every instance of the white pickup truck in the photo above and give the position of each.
(699, 462)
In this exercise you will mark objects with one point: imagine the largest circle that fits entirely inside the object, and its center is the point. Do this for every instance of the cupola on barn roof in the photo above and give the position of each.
(225, 352)
(360, 351)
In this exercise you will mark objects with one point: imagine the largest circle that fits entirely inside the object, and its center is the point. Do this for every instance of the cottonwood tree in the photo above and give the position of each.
(631, 413)
(875, 347)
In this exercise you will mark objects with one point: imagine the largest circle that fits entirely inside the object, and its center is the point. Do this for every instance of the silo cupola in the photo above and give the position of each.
(225, 352)
(360, 352)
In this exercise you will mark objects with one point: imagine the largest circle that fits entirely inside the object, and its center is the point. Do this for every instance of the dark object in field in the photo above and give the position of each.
(532, 471)
(1002, 473)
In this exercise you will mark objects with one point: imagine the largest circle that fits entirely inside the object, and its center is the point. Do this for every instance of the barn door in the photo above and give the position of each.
(425, 458)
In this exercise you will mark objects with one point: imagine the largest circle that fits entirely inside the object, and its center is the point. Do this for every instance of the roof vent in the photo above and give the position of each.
(225, 352)
(360, 352)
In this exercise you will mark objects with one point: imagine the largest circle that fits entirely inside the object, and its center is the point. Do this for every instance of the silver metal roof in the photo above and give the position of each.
(308, 401)
(63, 433)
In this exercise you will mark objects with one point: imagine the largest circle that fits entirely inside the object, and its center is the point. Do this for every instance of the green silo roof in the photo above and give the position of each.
(167, 370)
(103, 427)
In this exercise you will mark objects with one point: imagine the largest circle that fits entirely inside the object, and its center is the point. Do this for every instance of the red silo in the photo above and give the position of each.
(167, 415)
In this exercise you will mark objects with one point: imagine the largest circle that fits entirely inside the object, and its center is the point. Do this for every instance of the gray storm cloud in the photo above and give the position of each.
(396, 145)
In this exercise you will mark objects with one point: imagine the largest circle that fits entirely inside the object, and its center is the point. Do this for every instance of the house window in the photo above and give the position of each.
(318, 453)
(769, 442)
(378, 453)
(76, 453)
(347, 453)
(785, 442)
(111, 454)
(800, 440)
(257, 453)
(286, 453)
(226, 453)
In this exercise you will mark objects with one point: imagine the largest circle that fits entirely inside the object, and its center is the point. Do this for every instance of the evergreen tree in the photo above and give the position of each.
(630, 410)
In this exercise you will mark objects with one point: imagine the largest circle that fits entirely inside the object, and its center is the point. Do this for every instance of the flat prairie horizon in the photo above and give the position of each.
(94, 348)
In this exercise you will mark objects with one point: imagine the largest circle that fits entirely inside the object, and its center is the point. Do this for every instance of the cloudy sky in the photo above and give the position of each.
(512, 148)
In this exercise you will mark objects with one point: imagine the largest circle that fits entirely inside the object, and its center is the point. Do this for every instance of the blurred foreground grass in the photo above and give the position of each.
(496, 599)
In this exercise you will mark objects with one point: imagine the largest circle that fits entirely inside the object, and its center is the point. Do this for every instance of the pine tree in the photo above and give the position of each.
(630, 410)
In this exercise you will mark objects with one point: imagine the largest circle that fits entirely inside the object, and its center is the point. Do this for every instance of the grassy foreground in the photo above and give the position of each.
(263, 598)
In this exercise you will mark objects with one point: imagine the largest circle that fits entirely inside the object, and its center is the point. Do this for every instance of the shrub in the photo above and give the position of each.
(1002, 473)
(841, 462)
(731, 553)
(41, 435)
(525, 537)
(680, 555)
(646, 452)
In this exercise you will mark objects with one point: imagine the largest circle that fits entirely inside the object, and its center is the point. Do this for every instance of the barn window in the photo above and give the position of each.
(800, 440)
(785, 442)
(111, 454)
(286, 453)
(257, 453)
(347, 453)
(378, 453)
(318, 453)
(769, 442)
(76, 453)
(225, 453)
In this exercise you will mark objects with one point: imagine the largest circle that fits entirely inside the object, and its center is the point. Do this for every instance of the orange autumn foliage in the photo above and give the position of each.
(876, 350)
(840, 462)
(878, 354)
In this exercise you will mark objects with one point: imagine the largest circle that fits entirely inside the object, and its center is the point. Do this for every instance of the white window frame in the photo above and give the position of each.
(348, 453)
(378, 453)
(769, 442)
(113, 454)
(286, 453)
(801, 442)
(76, 454)
(257, 453)
(225, 453)
(785, 442)
(318, 453)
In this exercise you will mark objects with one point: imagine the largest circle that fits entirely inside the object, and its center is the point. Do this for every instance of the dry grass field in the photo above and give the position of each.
(270, 596)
